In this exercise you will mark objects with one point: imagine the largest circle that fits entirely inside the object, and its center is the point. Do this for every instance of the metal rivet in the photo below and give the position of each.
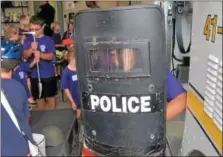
(93, 132)
(152, 136)
(151, 87)
(90, 87)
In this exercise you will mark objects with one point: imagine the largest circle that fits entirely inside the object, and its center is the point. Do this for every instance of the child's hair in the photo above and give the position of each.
(9, 30)
(24, 19)
(36, 20)
(54, 24)
(5, 70)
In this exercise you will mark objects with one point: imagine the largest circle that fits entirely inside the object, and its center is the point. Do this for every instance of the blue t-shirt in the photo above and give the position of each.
(57, 38)
(20, 75)
(69, 81)
(174, 87)
(12, 141)
(45, 45)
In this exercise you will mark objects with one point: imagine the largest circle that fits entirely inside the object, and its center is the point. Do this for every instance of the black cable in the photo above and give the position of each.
(173, 47)
(179, 32)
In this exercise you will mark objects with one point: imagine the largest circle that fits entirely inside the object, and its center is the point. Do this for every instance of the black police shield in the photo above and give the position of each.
(121, 62)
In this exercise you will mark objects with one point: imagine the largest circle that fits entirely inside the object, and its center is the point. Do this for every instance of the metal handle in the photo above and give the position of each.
(38, 73)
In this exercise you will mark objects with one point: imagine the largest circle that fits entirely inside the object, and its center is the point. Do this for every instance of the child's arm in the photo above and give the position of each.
(50, 51)
(47, 56)
(28, 52)
(27, 88)
(32, 64)
(29, 48)
(35, 60)
(68, 94)
(65, 87)
(25, 104)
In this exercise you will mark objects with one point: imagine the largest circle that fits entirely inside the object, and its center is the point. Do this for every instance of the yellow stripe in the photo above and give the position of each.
(196, 105)
(219, 30)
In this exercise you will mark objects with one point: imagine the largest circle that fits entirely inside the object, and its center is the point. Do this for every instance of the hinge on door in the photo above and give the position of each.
(180, 6)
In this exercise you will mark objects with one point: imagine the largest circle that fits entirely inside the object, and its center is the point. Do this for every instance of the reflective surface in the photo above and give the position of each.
(116, 60)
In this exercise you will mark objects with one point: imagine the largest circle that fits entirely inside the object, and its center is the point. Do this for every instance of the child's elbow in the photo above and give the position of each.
(182, 99)
(51, 55)
(26, 54)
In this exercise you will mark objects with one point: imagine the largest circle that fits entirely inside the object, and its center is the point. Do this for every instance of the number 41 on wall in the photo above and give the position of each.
(211, 28)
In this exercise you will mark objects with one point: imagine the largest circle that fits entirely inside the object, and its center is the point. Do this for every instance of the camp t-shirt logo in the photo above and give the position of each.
(74, 78)
(42, 48)
(21, 75)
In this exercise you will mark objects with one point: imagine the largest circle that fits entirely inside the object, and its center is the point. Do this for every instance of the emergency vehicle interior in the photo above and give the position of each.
(185, 24)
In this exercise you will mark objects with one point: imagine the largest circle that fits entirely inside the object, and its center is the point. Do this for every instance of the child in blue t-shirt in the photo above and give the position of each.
(13, 142)
(69, 83)
(20, 71)
(44, 47)
(20, 75)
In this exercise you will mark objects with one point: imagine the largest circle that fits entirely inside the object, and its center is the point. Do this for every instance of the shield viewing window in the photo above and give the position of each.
(118, 60)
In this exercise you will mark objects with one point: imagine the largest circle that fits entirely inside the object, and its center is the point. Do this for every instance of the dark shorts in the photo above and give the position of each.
(49, 87)
(28, 74)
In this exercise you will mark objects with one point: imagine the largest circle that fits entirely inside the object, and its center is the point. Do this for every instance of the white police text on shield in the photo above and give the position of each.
(131, 104)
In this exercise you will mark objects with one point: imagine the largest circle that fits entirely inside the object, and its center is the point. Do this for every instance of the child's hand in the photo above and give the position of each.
(34, 45)
(22, 39)
(74, 106)
(37, 56)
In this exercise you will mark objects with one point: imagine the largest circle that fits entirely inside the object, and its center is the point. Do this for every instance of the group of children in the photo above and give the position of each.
(40, 49)
(56, 28)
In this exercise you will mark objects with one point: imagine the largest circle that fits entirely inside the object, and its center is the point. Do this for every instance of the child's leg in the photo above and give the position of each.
(51, 101)
(40, 103)
(50, 91)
